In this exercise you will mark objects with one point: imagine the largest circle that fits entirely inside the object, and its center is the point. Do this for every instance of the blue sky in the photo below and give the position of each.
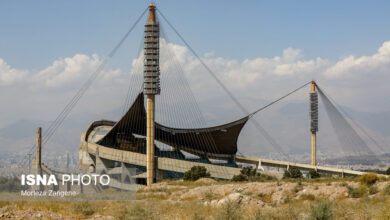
(260, 51)
(35, 33)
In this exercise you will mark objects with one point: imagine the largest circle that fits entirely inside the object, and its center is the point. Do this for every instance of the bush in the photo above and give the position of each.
(83, 208)
(195, 173)
(388, 171)
(314, 174)
(309, 196)
(322, 211)
(230, 211)
(240, 178)
(292, 172)
(248, 171)
(135, 211)
(10, 185)
(368, 179)
(356, 192)
(372, 190)
(386, 190)
(250, 174)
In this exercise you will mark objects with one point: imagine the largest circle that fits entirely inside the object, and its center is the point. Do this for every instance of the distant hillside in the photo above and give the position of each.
(288, 124)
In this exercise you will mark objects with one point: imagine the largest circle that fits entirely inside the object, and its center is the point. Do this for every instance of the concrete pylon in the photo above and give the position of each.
(37, 162)
(151, 87)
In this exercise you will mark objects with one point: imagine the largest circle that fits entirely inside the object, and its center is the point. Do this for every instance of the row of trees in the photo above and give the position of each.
(10, 185)
(250, 174)
(246, 174)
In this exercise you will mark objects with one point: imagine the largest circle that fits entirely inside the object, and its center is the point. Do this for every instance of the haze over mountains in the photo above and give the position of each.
(287, 123)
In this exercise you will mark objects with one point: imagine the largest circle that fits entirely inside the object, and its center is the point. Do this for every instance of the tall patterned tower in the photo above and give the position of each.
(314, 121)
(151, 86)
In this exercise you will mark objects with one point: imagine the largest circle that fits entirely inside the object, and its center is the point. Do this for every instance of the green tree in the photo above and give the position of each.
(248, 171)
(388, 171)
(240, 178)
(195, 173)
(292, 172)
(314, 174)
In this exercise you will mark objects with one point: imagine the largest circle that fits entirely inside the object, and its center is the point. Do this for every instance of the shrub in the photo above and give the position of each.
(314, 174)
(368, 179)
(309, 196)
(343, 184)
(356, 192)
(197, 217)
(386, 190)
(83, 208)
(297, 188)
(262, 178)
(388, 171)
(372, 190)
(250, 174)
(261, 195)
(292, 172)
(136, 211)
(230, 211)
(323, 210)
(195, 173)
(10, 185)
(248, 171)
(240, 178)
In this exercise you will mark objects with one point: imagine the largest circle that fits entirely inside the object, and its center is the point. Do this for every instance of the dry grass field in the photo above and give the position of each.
(324, 198)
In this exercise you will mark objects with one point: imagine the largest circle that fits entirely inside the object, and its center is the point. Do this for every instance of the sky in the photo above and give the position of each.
(259, 49)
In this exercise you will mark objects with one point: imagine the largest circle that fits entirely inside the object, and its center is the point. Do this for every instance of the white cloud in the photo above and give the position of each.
(67, 70)
(354, 67)
(60, 74)
(358, 82)
(9, 76)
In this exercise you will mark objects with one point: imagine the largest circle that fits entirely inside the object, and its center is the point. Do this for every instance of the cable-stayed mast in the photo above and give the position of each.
(314, 121)
(151, 86)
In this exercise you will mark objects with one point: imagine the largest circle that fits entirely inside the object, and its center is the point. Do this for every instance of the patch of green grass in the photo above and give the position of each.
(209, 196)
(83, 208)
(308, 196)
(323, 210)
(267, 198)
(372, 190)
(369, 179)
(356, 192)
(298, 187)
(343, 184)
(248, 193)
(230, 211)
(386, 190)
(136, 212)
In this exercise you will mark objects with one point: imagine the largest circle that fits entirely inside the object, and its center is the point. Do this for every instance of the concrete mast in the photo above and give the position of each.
(314, 121)
(37, 163)
(151, 87)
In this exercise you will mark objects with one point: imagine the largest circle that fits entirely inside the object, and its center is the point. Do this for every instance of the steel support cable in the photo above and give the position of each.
(349, 134)
(89, 82)
(356, 140)
(242, 108)
(354, 122)
(279, 99)
(194, 110)
(64, 113)
(133, 77)
(171, 82)
(332, 113)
